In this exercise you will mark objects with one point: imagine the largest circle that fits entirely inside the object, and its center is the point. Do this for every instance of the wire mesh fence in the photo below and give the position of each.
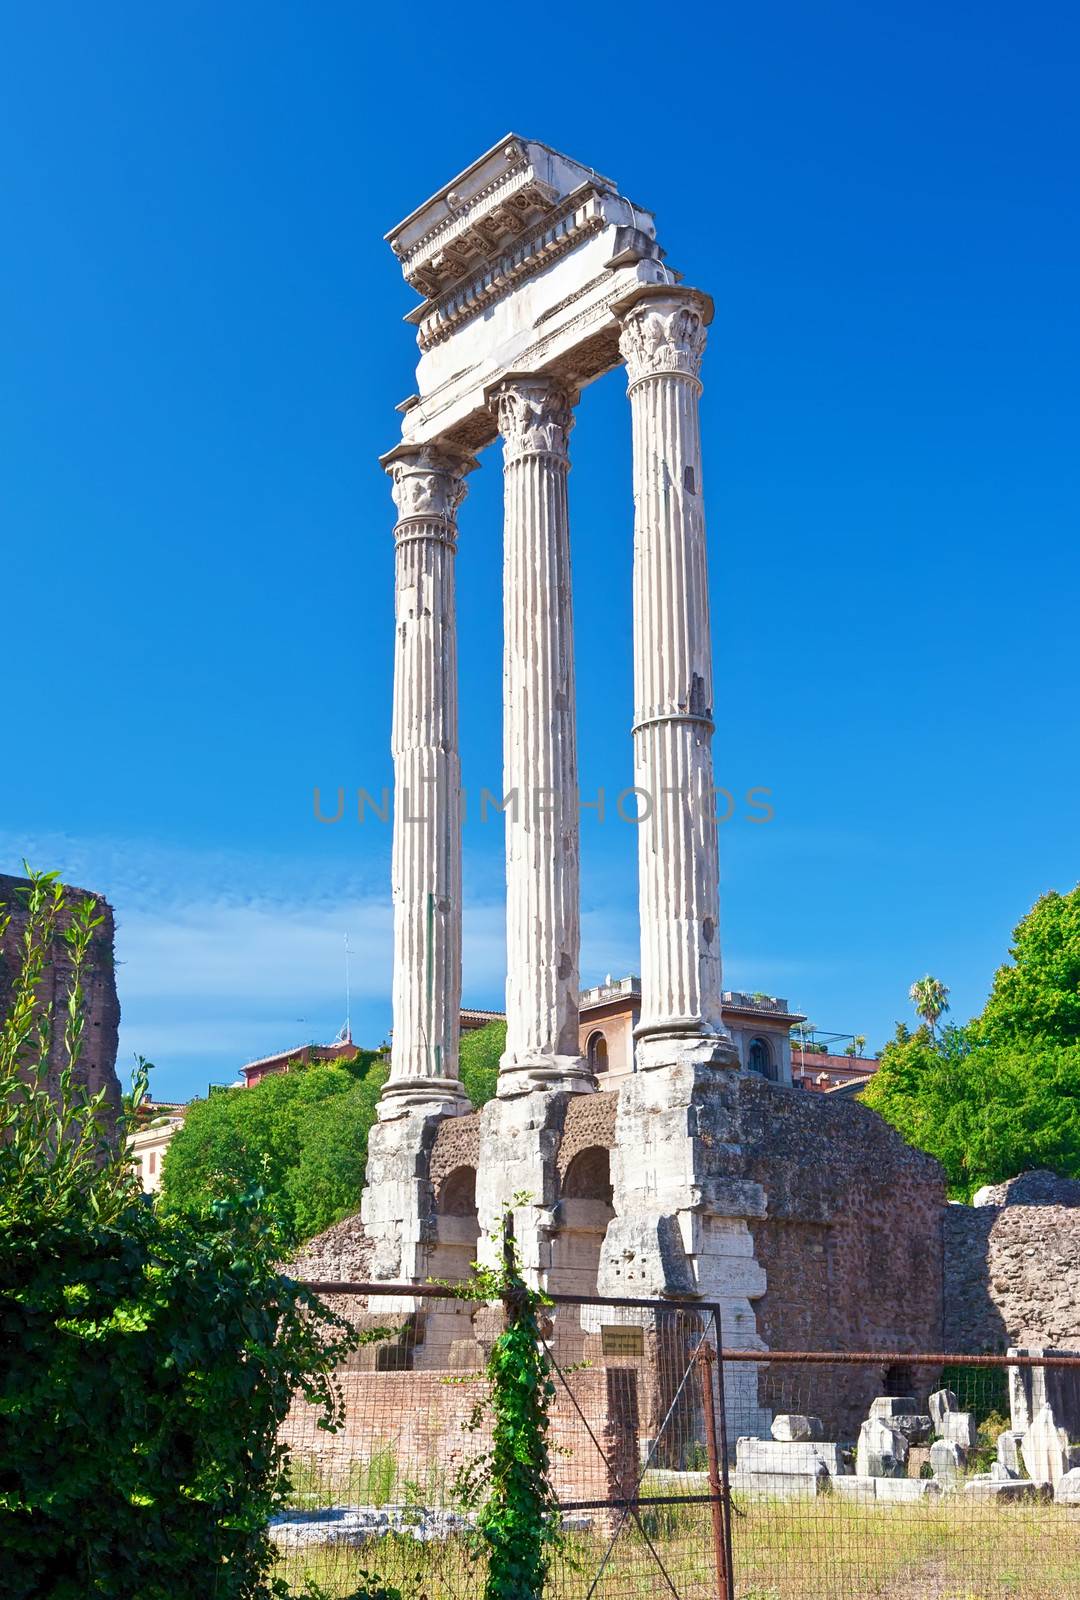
(923, 1477)
(683, 1470)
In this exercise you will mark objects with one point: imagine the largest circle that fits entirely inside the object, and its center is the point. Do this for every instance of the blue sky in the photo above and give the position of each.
(201, 352)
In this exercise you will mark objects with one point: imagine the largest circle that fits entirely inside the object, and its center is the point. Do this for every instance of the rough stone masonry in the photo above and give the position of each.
(97, 1068)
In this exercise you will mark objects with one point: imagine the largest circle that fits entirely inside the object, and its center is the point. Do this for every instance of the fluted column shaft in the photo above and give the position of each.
(678, 869)
(428, 487)
(539, 744)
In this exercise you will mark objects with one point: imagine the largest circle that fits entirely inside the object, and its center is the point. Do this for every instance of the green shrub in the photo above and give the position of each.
(146, 1361)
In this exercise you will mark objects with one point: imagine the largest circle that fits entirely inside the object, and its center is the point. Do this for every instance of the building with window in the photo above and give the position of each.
(760, 1024)
(158, 1122)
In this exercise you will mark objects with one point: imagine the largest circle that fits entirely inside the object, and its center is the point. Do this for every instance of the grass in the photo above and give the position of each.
(823, 1549)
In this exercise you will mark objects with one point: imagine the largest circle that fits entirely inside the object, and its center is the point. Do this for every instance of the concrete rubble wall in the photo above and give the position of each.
(1012, 1265)
(97, 1067)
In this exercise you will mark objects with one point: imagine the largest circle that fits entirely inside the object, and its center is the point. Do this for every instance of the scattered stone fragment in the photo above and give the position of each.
(881, 1452)
(959, 1427)
(887, 1406)
(941, 1401)
(947, 1461)
(1067, 1488)
(1001, 1473)
(789, 1428)
(1045, 1448)
(916, 1428)
(984, 1487)
(896, 1490)
(1008, 1450)
(780, 1456)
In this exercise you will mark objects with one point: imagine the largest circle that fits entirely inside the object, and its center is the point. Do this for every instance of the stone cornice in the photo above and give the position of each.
(507, 190)
(564, 228)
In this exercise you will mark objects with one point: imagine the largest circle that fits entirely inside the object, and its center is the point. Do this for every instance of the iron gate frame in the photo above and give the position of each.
(706, 1360)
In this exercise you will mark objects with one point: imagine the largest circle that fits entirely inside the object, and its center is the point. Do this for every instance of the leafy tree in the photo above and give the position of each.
(1002, 1094)
(1037, 996)
(301, 1134)
(930, 998)
(481, 1049)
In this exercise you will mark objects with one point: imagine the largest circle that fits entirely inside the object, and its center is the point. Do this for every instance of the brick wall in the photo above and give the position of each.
(97, 1067)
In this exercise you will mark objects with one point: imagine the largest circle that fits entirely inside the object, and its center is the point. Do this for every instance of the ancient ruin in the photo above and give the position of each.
(96, 1068)
(806, 1218)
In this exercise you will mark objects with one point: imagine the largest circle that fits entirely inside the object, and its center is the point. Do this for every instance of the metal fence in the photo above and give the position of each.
(682, 1469)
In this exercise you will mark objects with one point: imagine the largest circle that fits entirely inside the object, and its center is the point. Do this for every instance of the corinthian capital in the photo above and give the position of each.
(535, 418)
(427, 481)
(664, 333)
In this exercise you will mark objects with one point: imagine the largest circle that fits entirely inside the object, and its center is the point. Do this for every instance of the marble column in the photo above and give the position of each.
(535, 416)
(663, 337)
(428, 487)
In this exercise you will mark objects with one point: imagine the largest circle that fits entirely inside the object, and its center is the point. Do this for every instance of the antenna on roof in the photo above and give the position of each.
(347, 1037)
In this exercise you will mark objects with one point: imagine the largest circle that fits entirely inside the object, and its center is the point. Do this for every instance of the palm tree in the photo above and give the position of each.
(930, 998)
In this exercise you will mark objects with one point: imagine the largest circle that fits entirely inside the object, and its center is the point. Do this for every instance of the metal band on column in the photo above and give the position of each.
(539, 744)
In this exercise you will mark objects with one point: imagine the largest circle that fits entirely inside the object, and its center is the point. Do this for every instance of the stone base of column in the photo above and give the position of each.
(398, 1203)
(434, 1097)
(680, 1227)
(552, 1073)
(675, 1044)
(519, 1143)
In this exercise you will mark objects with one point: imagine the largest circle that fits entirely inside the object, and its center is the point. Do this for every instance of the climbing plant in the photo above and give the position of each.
(509, 1486)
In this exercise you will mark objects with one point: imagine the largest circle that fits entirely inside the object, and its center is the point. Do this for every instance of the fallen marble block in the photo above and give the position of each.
(1003, 1474)
(1008, 1450)
(895, 1491)
(959, 1427)
(916, 1428)
(352, 1525)
(881, 1451)
(782, 1485)
(941, 1401)
(947, 1461)
(791, 1428)
(984, 1487)
(777, 1455)
(1067, 1488)
(1044, 1448)
(893, 1405)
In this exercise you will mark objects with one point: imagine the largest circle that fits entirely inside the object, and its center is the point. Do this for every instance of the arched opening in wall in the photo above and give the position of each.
(457, 1193)
(759, 1058)
(588, 1177)
(583, 1215)
(448, 1323)
(596, 1052)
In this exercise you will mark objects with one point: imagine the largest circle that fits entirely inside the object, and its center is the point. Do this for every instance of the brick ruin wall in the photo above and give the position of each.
(1012, 1265)
(97, 1066)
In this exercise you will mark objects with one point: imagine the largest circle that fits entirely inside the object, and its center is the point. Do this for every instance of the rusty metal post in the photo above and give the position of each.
(719, 1504)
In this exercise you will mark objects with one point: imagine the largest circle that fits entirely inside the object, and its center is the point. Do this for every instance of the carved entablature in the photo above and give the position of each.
(428, 483)
(664, 333)
(535, 418)
(525, 264)
(508, 190)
